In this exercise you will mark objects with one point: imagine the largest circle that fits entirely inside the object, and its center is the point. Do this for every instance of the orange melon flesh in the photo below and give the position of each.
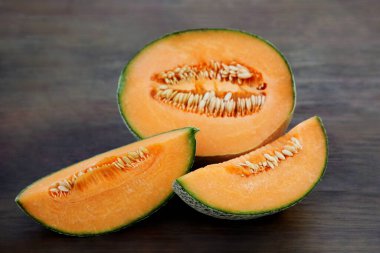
(219, 136)
(105, 200)
(225, 188)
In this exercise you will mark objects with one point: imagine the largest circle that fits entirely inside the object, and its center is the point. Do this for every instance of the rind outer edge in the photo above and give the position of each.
(193, 201)
(122, 80)
(192, 139)
(201, 207)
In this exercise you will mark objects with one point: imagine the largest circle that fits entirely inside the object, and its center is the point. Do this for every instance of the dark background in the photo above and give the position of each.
(59, 66)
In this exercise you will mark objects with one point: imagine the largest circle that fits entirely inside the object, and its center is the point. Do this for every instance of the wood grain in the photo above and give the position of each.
(59, 66)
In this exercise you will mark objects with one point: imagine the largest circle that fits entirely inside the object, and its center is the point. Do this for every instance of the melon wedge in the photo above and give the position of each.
(111, 190)
(267, 180)
(237, 88)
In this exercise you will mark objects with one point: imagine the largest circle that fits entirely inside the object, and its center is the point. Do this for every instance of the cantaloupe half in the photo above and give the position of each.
(111, 190)
(237, 88)
(267, 180)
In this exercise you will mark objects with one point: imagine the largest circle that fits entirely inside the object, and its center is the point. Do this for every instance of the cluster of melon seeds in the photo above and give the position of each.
(271, 159)
(232, 72)
(222, 104)
(212, 103)
(123, 163)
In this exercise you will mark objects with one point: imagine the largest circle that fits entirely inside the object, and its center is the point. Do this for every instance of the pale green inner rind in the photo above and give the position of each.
(192, 144)
(123, 76)
(261, 212)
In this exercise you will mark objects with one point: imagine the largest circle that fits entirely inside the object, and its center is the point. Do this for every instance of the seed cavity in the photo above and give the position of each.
(213, 103)
(123, 163)
(272, 159)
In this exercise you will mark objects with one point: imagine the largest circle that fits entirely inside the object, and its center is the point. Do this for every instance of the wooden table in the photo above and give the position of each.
(59, 67)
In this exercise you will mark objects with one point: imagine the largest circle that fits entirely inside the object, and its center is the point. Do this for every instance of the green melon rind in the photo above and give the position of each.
(198, 204)
(192, 142)
(123, 76)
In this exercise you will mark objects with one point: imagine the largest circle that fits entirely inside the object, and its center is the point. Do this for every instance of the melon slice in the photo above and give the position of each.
(267, 180)
(237, 88)
(111, 190)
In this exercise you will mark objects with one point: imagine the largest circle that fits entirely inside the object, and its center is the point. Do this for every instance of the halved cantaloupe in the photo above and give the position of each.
(265, 181)
(113, 189)
(237, 88)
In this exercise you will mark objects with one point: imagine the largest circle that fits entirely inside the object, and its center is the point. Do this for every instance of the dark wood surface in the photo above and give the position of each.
(59, 66)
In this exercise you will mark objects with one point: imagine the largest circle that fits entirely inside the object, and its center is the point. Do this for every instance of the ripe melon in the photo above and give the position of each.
(267, 180)
(111, 190)
(237, 88)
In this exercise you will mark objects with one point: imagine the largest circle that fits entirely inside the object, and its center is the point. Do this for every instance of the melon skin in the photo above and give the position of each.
(196, 202)
(206, 158)
(192, 142)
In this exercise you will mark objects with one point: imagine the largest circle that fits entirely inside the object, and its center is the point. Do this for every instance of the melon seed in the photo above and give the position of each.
(63, 188)
(287, 152)
(279, 155)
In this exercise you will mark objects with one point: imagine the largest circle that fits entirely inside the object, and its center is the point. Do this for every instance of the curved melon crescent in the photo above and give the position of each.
(102, 197)
(217, 190)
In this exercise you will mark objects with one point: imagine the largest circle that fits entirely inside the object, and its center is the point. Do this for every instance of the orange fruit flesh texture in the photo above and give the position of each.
(105, 199)
(221, 187)
(219, 136)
